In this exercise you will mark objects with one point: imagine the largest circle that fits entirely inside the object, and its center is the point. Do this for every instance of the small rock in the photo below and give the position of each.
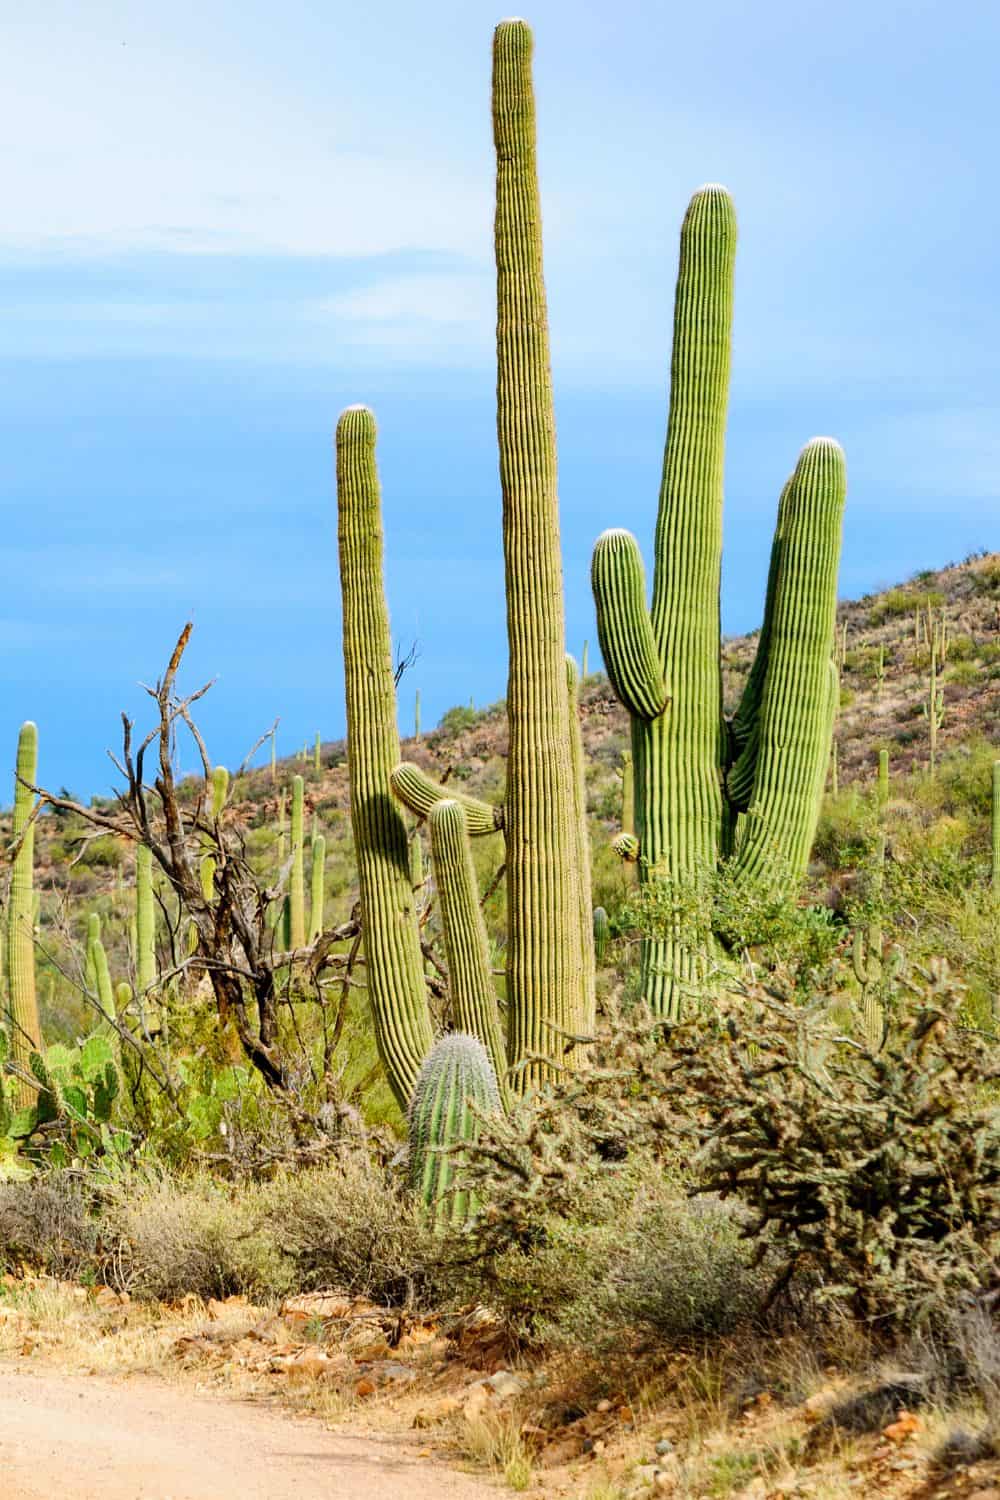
(664, 1446)
(437, 1412)
(903, 1428)
(604, 1405)
(504, 1385)
(664, 1482)
(364, 1389)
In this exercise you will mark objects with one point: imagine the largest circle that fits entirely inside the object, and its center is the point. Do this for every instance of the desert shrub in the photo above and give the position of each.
(844, 830)
(585, 1232)
(174, 1236)
(453, 720)
(48, 1222)
(354, 1225)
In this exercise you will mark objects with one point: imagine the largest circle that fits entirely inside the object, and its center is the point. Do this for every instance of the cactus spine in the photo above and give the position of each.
(22, 998)
(547, 940)
(705, 790)
(145, 926)
(456, 1076)
(393, 958)
(297, 881)
(473, 998)
(317, 887)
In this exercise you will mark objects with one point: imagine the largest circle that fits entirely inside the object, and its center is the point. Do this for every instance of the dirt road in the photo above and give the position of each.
(141, 1439)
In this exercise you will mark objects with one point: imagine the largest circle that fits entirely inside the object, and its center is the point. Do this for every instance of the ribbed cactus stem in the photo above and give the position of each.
(145, 922)
(22, 998)
(297, 880)
(105, 990)
(456, 1081)
(879, 672)
(799, 700)
(318, 753)
(89, 964)
(317, 887)
(585, 662)
(546, 943)
(220, 791)
(416, 715)
(883, 778)
(393, 957)
(420, 793)
(473, 997)
(995, 828)
(628, 794)
(602, 933)
(588, 1008)
(835, 768)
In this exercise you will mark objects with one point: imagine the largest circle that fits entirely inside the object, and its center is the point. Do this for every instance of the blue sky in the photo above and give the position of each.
(223, 222)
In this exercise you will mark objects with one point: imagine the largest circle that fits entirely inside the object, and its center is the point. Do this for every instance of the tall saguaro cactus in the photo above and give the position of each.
(706, 789)
(393, 959)
(22, 999)
(547, 936)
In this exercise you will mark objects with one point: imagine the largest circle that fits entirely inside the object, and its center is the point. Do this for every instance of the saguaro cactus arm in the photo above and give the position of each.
(393, 958)
(473, 997)
(623, 625)
(420, 793)
(794, 718)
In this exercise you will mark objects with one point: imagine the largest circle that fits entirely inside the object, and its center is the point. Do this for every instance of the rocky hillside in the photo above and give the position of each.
(885, 686)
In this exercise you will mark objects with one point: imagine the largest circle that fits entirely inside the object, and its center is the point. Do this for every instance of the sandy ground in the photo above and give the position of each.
(140, 1439)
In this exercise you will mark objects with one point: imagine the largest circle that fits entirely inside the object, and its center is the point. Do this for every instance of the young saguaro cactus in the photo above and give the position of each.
(473, 997)
(456, 1075)
(22, 998)
(297, 879)
(706, 789)
(393, 958)
(548, 923)
(145, 924)
(602, 933)
(317, 891)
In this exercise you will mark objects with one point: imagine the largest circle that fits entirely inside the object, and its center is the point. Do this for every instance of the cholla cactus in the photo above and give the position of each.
(455, 1082)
